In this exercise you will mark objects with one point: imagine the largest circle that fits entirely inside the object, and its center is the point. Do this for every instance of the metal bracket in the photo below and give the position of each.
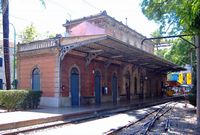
(108, 63)
(91, 56)
(67, 48)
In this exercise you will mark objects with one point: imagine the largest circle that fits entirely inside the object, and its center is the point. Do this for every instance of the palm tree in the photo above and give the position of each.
(5, 12)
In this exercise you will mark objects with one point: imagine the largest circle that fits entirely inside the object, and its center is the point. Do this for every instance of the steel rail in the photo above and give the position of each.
(87, 117)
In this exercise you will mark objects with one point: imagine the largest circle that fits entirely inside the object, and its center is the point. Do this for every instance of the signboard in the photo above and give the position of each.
(189, 78)
(180, 78)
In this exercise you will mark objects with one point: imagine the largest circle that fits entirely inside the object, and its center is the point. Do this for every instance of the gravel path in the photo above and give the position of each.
(182, 121)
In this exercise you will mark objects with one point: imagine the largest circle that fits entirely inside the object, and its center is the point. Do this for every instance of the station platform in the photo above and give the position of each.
(17, 119)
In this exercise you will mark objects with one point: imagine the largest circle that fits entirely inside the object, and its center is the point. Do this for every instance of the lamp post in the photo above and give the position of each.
(14, 82)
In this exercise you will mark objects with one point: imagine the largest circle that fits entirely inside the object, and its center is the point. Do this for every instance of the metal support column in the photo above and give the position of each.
(197, 43)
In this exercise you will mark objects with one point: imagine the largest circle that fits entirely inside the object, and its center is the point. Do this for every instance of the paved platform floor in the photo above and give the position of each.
(11, 120)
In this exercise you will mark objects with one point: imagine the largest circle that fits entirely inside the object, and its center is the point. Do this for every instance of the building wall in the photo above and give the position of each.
(87, 80)
(47, 62)
(87, 76)
(2, 68)
(123, 33)
(108, 25)
(47, 66)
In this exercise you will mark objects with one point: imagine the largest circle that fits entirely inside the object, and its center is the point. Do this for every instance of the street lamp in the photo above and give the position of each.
(14, 81)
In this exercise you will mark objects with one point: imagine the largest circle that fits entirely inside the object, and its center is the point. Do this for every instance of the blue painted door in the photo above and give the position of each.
(36, 79)
(114, 88)
(97, 87)
(74, 87)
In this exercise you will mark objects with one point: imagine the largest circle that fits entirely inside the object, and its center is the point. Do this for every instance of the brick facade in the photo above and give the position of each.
(46, 63)
(56, 57)
(86, 75)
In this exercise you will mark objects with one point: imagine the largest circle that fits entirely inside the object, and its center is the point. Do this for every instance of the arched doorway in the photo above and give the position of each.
(97, 87)
(114, 88)
(74, 87)
(36, 79)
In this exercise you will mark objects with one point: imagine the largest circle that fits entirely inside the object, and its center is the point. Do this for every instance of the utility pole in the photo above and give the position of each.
(14, 61)
(197, 44)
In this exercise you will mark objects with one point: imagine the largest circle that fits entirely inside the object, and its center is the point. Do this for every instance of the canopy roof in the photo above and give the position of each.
(114, 49)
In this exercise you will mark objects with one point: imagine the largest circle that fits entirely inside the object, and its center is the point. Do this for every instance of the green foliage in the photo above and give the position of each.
(32, 99)
(162, 52)
(16, 99)
(43, 3)
(174, 15)
(10, 99)
(180, 52)
(29, 34)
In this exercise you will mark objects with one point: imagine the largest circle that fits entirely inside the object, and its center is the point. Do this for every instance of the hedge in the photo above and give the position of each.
(19, 99)
(32, 100)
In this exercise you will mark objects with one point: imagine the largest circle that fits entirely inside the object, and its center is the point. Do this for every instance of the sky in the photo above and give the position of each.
(49, 19)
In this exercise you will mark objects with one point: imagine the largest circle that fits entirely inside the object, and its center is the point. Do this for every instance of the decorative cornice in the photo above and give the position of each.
(38, 45)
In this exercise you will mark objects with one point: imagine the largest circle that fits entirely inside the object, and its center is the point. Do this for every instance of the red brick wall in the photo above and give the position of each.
(46, 63)
(86, 74)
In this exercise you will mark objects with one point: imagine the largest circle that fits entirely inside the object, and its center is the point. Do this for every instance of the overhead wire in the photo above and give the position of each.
(91, 5)
(61, 6)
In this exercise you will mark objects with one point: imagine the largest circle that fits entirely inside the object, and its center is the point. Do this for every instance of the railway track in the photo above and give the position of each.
(145, 124)
(98, 115)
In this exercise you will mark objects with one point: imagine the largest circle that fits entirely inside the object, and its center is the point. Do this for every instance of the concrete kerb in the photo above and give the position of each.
(63, 117)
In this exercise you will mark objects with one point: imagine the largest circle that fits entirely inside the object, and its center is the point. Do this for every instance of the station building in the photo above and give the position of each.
(100, 60)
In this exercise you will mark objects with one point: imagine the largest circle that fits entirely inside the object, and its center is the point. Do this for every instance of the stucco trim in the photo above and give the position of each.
(50, 101)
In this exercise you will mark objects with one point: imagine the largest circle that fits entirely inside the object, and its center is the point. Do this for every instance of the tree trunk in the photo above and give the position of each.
(6, 44)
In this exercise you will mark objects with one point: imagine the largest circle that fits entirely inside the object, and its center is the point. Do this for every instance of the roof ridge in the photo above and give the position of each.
(101, 14)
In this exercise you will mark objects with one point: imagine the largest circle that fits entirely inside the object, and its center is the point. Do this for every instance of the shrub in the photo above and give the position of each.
(10, 99)
(192, 96)
(16, 99)
(32, 100)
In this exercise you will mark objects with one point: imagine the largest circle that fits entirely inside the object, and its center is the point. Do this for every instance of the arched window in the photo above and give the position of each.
(36, 79)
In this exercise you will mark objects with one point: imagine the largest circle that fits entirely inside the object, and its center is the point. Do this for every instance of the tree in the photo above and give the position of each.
(29, 34)
(178, 16)
(180, 53)
(5, 11)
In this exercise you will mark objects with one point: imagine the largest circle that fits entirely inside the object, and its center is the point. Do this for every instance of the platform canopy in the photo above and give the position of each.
(116, 50)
